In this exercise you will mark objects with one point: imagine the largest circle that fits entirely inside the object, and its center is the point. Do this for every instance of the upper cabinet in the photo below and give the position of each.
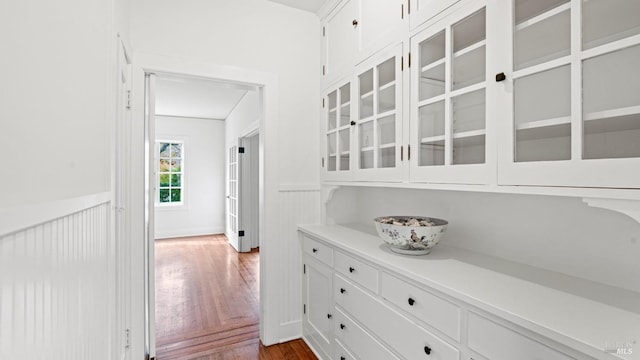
(356, 29)
(423, 10)
(449, 114)
(571, 93)
(497, 92)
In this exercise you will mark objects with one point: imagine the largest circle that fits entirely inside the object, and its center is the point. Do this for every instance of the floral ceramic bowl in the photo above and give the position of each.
(412, 235)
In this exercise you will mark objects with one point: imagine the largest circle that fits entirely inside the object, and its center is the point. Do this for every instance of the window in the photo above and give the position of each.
(170, 174)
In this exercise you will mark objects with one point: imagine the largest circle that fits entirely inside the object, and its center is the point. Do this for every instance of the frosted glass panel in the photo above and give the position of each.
(331, 144)
(366, 142)
(344, 149)
(468, 111)
(432, 66)
(469, 150)
(366, 94)
(345, 107)
(536, 20)
(387, 99)
(387, 72)
(469, 50)
(387, 130)
(605, 21)
(542, 116)
(432, 82)
(432, 126)
(333, 111)
(611, 105)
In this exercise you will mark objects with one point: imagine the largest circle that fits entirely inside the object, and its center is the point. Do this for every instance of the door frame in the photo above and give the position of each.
(267, 84)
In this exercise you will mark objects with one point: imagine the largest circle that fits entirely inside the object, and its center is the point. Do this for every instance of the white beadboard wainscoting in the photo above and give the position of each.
(299, 204)
(56, 277)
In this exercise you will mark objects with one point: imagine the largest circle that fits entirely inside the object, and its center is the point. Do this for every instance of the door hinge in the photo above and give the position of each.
(324, 31)
(323, 103)
(402, 11)
(304, 268)
(322, 69)
(408, 6)
(322, 162)
(240, 149)
(401, 63)
(408, 152)
(127, 338)
(401, 153)
(409, 60)
(128, 99)
(304, 308)
(241, 233)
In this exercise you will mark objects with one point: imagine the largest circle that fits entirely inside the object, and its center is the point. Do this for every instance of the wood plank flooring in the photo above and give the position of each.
(207, 303)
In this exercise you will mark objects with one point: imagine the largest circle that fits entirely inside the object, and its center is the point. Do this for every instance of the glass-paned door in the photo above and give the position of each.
(232, 194)
(449, 101)
(379, 117)
(338, 133)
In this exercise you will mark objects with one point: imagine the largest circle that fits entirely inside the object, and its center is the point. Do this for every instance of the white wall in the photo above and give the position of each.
(203, 211)
(253, 34)
(560, 234)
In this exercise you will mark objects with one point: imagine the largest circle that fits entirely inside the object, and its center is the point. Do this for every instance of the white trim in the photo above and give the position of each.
(188, 232)
(299, 187)
(290, 331)
(23, 217)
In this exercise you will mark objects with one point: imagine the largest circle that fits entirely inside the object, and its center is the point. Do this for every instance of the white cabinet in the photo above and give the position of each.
(317, 299)
(571, 94)
(362, 130)
(357, 29)
(451, 135)
(423, 10)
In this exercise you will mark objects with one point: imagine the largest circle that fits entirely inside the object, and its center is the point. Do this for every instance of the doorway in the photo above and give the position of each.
(190, 120)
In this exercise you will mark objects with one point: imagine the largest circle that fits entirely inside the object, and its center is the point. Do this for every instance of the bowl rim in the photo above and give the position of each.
(439, 222)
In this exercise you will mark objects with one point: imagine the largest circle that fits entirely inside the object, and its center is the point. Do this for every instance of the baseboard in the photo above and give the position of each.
(189, 232)
(290, 331)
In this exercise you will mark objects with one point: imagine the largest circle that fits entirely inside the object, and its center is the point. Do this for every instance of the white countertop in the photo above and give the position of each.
(583, 315)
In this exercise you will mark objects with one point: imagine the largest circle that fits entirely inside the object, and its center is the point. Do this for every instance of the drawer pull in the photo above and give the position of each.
(314, 250)
(351, 269)
(342, 326)
(329, 316)
(411, 301)
(342, 291)
(427, 350)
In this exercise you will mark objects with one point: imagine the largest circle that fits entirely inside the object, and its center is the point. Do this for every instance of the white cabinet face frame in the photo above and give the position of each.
(378, 121)
(423, 10)
(337, 133)
(571, 105)
(451, 113)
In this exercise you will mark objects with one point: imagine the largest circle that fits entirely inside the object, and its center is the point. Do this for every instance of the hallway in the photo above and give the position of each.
(207, 303)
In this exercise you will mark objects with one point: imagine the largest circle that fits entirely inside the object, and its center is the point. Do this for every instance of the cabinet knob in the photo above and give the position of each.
(329, 316)
(427, 350)
(342, 326)
(314, 250)
(354, 22)
(353, 123)
(343, 358)
(501, 77)
(411, 301)
(342, 290)
(351, 269)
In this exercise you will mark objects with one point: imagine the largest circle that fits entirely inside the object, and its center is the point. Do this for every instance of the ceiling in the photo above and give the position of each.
(197, 98)
(306, 5)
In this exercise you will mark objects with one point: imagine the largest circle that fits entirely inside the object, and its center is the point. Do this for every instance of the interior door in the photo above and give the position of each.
(233, 220)
(149, 237)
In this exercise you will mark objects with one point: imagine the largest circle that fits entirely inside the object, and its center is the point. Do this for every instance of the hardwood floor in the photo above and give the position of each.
(207, 303)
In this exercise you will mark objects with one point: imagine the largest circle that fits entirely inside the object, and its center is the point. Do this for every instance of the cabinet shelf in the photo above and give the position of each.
(600, 115)
(366, 95)
(470, 48)
(387, 85)
(366, 149)
(470, 134)
(432, 139)
(386, 114)
(432, 65)
(544, 123)
(536, 19)
(387, 146)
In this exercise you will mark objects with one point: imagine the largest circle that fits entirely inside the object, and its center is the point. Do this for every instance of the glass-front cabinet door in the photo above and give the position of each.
(449, 140)
(337, 133)
(378, 122)
(572, 93)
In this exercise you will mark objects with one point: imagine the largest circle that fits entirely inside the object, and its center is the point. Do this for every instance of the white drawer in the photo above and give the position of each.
(425, 306)
(407, 338)
(357, 271)
(496, 342)
(318, 250)
(358, 340)
(340, 353)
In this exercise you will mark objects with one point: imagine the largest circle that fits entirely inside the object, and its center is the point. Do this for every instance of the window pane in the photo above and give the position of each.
(176, 150)
(175, 195)
(164, 179)
(164, 195)
(176, 165)
(164, 165)
(176, 180)
(605, 21)
(164, 150)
